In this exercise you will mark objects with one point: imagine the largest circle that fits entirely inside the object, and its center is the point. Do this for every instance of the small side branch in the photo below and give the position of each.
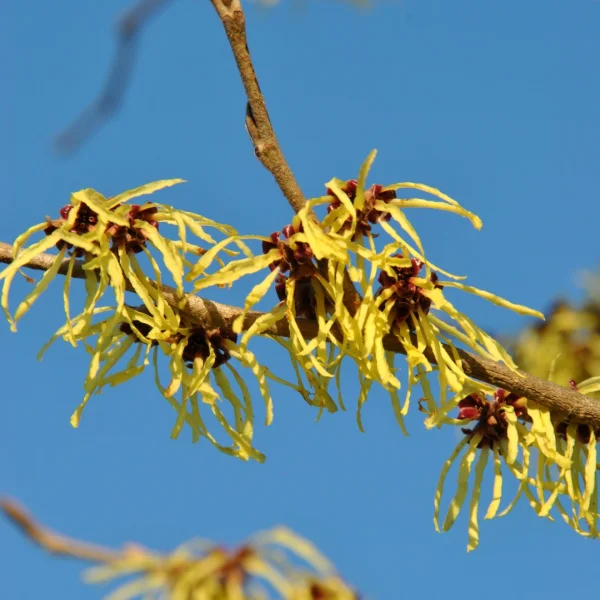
(209, 314)
(258, 123)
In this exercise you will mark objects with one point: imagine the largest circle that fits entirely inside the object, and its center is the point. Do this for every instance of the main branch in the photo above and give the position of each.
(209, 314)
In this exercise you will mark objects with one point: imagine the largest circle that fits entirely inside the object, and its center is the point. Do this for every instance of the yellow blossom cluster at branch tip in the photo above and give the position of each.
(106, 235)
(553, 460)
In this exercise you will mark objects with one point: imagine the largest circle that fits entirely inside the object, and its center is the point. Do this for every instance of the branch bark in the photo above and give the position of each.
(209, 314)
(258, 122)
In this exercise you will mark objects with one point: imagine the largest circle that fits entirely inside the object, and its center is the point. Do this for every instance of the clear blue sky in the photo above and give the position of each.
(496, 103)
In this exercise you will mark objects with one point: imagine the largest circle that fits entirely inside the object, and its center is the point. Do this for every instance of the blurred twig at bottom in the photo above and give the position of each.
(272, 564)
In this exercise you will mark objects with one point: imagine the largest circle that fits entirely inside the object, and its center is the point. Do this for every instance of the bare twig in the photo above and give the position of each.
(211, 314)
(111, 96)
(53, 542)
(142, 559)
(258, 123)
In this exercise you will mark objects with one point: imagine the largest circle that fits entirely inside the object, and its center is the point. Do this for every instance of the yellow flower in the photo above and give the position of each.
(329, 588)
(305, 293)
(265, 564)
(558, 462)
(201, 365)
(130, 338)
(405, 302)
(311, 263)
(107, 234)
(102, 237)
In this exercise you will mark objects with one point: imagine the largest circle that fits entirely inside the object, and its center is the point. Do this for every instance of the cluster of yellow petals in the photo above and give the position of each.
(554, 462)
(200, 387)
(204, 380)
(276, 564)
(195, 261)
(358, 333)
(193, 254)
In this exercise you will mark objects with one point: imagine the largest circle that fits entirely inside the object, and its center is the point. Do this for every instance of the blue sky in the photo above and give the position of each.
(493, 102)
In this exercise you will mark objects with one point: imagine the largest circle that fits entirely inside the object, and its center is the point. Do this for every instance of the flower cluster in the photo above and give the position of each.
(274, 564)
(107, 233)
(294, 262)
(406, 298)
(355, 284)
(519, 433)
(558, 456)
(101, 237)
(202, 367)
(350, 286)
(313, 262)
(367, 214)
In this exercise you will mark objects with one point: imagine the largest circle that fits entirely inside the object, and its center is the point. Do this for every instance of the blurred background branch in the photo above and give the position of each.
(53, 542)
(274, 561)
(106, 104)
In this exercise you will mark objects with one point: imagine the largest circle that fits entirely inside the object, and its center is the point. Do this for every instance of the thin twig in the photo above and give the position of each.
(258, 122)
(53, 542)
(109, 100)
(209, 314)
